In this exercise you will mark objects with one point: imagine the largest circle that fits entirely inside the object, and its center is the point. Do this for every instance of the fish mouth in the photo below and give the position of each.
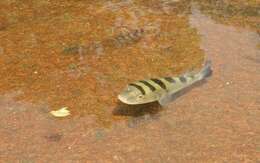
(124, 100)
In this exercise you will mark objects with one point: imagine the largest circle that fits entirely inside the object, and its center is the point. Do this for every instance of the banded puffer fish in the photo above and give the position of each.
(161, 89)
(118, 41)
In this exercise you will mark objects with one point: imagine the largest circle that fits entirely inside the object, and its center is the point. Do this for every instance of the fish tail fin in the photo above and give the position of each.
(206, 71)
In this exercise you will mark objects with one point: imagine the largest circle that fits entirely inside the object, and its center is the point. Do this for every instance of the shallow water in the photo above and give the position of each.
(38, 62)
(64, 53)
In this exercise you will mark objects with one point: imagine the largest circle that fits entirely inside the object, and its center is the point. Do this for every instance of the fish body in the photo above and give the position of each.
(161, 89)
(121, 40)
(127, 38)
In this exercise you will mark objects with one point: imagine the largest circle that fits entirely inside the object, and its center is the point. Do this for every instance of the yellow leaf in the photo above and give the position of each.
(63, 112)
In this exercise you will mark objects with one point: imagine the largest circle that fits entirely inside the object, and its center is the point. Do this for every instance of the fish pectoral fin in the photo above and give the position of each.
(169, 97)
(165, 99)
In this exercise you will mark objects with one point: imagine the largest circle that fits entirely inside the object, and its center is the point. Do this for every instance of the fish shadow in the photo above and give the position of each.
(136, 110)
(150, 108)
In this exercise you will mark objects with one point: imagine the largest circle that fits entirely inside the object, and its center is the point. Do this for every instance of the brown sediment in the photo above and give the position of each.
(34, 64)
(237, 13)
(3, 23)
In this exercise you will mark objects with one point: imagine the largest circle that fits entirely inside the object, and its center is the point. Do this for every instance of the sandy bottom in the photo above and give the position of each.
(215, 122)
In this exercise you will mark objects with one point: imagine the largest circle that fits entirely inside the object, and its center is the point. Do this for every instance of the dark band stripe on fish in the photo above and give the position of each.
(150, 86)
(159, 82)
(170, 79)
(121, 39)
(182, 79)
(138, 87)
(135, 35)
(127, 37)
(130, 36)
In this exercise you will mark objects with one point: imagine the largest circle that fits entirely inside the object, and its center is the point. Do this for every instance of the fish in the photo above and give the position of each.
(161, 89)
(118, 41)
(126, 38)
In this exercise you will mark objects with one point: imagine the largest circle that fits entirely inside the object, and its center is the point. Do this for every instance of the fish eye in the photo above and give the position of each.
(140, 96)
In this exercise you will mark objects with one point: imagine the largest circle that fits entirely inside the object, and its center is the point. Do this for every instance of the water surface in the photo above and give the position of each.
(61, 53)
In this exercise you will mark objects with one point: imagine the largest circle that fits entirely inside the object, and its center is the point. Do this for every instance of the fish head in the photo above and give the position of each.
(133, 96)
